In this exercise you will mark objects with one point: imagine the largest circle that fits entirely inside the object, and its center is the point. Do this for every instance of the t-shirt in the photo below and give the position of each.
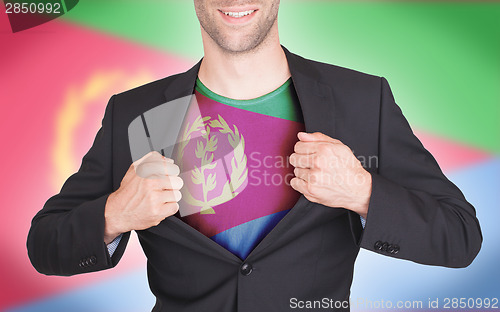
(234, 161)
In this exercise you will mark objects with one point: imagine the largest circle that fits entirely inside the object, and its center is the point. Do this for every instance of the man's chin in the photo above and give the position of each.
(242, 47)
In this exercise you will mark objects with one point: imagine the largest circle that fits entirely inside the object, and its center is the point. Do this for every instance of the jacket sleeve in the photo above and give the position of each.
(67, 236)
(415, 212)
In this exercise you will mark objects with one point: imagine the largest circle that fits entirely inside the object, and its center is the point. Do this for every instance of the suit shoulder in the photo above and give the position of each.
(130, 104)
(148, 90)
(338, 74)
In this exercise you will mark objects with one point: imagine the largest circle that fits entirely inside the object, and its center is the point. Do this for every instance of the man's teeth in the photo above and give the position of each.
(239, 14)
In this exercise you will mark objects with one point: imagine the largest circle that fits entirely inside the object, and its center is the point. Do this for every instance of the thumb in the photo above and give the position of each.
(316, 137)
(152, 157)
(148, 156)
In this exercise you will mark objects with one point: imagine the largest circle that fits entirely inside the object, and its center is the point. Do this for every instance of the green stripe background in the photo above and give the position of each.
(442, 60)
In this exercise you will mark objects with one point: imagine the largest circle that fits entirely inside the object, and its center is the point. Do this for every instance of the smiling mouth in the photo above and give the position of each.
(238, 14)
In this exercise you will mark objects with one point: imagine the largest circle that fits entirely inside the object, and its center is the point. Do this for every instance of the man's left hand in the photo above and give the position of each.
(327, 172)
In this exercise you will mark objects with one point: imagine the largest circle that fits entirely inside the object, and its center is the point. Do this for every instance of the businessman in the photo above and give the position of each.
(219, 232)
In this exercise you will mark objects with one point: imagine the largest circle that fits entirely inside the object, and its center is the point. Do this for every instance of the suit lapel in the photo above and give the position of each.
(183, 84)
(317, 105)
(316, 98)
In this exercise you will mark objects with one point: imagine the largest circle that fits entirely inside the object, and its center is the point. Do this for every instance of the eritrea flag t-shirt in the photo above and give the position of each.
(234, 161)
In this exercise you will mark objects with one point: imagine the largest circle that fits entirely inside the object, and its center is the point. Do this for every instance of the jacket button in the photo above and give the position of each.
(384, 246)
(82, 263)
(396, 249)
(390, 249)
(246, 269)
(378, 245)
(93, 260)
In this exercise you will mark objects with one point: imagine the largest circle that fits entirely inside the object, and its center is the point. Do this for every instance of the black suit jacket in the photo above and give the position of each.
(415, 212)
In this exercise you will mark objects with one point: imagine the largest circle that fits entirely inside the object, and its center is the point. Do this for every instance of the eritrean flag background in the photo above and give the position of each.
(441, 59)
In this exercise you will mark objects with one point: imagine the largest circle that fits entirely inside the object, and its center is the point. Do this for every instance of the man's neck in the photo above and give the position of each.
(244, 76)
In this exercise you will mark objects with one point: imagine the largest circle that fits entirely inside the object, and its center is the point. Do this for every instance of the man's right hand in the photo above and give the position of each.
(148, 193)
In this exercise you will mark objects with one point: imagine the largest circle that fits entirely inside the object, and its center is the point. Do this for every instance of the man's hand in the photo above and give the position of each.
(148, 193)
(327, 172)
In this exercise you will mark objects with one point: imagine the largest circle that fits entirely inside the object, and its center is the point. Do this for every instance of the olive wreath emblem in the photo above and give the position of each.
(204, 151)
